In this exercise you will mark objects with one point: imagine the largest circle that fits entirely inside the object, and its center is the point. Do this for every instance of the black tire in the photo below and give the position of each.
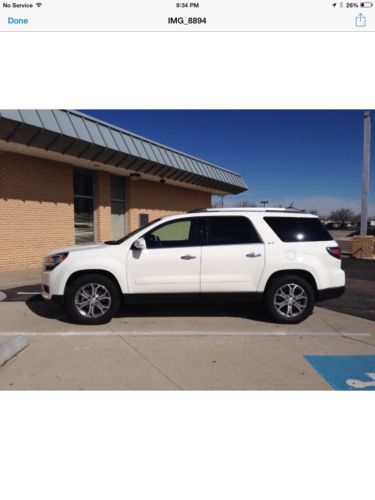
(293, 311)
(103, 299)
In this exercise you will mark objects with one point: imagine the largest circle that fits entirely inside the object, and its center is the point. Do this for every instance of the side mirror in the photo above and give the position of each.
(140, 244)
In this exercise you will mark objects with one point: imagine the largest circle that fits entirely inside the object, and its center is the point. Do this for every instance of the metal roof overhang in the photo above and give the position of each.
(78, 135)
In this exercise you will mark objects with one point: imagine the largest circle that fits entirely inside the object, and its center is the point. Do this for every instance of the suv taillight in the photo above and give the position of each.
(334, 251)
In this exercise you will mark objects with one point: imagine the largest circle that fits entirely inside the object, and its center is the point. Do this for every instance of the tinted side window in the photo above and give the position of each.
(180, 233)
(298, 229)
(230, 231)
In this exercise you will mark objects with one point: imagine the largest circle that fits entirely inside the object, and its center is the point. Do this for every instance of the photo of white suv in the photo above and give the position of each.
(283, 258)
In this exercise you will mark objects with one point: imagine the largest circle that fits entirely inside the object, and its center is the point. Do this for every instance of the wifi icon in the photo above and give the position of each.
(39, 4)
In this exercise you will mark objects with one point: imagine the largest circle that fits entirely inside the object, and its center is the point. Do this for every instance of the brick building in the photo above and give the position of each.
(67, 178)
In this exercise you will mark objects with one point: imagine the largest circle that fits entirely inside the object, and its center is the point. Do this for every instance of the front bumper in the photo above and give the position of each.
(330, 293)
(50, 281)
(46, 285)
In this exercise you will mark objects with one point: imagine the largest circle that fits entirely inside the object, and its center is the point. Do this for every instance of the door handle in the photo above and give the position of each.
(253, 254)
(188, 257)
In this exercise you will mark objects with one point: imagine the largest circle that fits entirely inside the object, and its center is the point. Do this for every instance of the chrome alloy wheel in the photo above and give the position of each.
(92, 300)
(290, 300)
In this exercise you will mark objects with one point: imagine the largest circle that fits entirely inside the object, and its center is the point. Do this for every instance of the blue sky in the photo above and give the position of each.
(313, 158)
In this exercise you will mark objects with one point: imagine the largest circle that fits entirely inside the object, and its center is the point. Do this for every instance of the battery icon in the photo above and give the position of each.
(366, 5)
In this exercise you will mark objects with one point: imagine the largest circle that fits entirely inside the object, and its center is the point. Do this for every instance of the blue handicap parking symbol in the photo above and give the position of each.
(346, 373)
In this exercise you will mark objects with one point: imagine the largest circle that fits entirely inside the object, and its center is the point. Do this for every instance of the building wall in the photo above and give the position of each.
(36, 209)
(158, 200)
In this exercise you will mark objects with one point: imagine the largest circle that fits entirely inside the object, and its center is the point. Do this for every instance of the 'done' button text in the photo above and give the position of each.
(17, 20)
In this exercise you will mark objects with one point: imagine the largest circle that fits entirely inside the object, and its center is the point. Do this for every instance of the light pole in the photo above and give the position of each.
(365, 171)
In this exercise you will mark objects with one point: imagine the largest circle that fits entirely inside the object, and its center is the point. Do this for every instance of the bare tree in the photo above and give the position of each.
(238, 204)
(356, 218)
(342, 215)
(219, 202)
(244, 204)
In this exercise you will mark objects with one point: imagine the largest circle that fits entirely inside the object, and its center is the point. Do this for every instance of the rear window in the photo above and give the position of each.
(290, 229)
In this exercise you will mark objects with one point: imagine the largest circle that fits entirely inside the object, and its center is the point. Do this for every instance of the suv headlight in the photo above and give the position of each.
(52, 261)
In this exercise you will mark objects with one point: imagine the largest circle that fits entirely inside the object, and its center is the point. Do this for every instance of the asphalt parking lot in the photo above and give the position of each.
(194, 346)
(359, 298)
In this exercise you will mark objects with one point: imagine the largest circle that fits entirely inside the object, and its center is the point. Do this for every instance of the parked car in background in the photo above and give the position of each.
(339, 226)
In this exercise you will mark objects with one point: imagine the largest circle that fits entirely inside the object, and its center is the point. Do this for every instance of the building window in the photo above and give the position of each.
(118, 206)
(143, 219)
(83, 206)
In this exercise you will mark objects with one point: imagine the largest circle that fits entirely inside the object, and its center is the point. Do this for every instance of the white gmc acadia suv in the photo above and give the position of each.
(283, 258)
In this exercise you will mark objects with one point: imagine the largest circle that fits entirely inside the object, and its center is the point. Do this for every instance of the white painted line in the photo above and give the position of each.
(3, 296)
(28, 293)
(232, 334)
(140, 333)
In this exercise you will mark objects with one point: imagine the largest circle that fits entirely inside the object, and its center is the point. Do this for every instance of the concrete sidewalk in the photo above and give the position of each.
(178, 347)
(19, 277)
(204, 348)
(174, 362)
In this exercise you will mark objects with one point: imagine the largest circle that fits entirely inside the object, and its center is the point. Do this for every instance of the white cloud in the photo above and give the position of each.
(323, 204)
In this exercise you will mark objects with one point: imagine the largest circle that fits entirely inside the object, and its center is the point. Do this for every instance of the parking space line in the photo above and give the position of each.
(181, 333)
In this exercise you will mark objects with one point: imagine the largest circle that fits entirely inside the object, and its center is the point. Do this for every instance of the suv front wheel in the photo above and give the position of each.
(289, 299)
(92, 299)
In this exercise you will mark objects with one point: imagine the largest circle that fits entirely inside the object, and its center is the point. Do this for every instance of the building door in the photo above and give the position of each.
(171, 261)
(233, 257)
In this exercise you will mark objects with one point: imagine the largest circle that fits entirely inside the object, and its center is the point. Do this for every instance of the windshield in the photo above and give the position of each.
(132, 233)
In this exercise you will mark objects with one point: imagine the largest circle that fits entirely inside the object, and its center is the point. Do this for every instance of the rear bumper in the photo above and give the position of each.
(330, 293)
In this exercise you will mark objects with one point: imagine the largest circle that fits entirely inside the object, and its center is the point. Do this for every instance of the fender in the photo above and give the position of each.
(108, 264)
(270, 270)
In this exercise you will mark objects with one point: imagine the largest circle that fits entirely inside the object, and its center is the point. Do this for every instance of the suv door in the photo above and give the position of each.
(232, 256)
(171, 262)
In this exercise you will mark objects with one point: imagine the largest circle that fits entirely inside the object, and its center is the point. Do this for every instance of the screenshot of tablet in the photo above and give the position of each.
(187, 203)
(177, 15)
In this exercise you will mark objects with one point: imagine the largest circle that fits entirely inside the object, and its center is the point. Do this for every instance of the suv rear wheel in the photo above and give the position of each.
(289, 299)
(92, 299)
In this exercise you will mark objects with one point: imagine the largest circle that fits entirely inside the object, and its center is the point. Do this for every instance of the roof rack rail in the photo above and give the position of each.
(249, 209)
